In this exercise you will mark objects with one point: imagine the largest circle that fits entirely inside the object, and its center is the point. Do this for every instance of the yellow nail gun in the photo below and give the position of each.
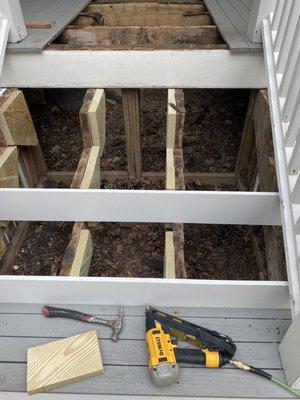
(213, 349)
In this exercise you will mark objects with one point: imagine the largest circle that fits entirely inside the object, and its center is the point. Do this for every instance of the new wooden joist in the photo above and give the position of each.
(21, 164)
(174, 264)
(16, 126)
(78, 254)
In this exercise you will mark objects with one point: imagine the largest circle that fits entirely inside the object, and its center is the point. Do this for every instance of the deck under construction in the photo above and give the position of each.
(129, 47)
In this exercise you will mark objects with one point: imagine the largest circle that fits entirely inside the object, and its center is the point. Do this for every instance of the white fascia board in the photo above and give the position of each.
(134, 69)
(141, 291)
(207, 207)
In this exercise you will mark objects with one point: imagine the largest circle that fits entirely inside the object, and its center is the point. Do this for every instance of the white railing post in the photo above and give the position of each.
(260, 10)
(11, 10)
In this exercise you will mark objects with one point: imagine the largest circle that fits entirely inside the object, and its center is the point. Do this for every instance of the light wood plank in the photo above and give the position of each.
(92, 119)
(169, 259)
(9, 167)
(63, 361)
(170, 170)
(83, 254)
(171, 119)
(91, 177)
(16, 125)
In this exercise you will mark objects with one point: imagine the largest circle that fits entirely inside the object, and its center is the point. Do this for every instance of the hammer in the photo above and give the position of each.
(115, 324)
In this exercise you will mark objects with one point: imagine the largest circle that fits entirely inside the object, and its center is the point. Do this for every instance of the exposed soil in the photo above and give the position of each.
(132, 250)
(214, 123)
(219, 252)
(43, 249)
(213, 129)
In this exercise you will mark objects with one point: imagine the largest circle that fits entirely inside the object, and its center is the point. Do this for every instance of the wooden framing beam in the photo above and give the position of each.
(78, 254)
(92, 119)
(16, 126)
(132, 119)
(155, 37)
(268, 183)
(206, 178)
(143, 14)
(113, 69)
(9, 167)
(174, 265)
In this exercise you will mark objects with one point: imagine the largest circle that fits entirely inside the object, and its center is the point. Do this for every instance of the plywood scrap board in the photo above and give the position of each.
(63, 361)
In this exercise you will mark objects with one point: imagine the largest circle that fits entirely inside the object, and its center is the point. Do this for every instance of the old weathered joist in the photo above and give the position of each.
(158, 37)
(132, 120)
(174, 264)
(272, 235)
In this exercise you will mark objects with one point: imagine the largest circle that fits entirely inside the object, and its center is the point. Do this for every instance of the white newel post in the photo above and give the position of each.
(11, 10)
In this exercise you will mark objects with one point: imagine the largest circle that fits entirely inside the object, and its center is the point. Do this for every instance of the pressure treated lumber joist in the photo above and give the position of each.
(92, 119)
(9, 167)
(78, 254)
(174, 264)
(16, 126)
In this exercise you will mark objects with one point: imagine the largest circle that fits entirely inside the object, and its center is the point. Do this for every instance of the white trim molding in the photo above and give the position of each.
(166, 206)
(141, 291)
(129, 69)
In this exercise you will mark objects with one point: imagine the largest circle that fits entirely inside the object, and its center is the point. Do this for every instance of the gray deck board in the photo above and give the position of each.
(232, 18)
(135, 380)
(256, 333)
(239, 329)
(60, 12)
(262, 355)
(261, 313)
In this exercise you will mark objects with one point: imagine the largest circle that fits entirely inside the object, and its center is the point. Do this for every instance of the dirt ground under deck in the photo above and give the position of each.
(213, 128)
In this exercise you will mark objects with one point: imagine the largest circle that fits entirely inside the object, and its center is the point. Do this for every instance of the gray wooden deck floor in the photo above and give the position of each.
(256, 333)
(59, 12)
(232, 19)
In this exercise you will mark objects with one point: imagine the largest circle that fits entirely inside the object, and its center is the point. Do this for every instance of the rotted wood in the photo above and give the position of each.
(70, 252)
(273, 239)
(13, 248)
(156, 37)
(132, 119)
(246, 165)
